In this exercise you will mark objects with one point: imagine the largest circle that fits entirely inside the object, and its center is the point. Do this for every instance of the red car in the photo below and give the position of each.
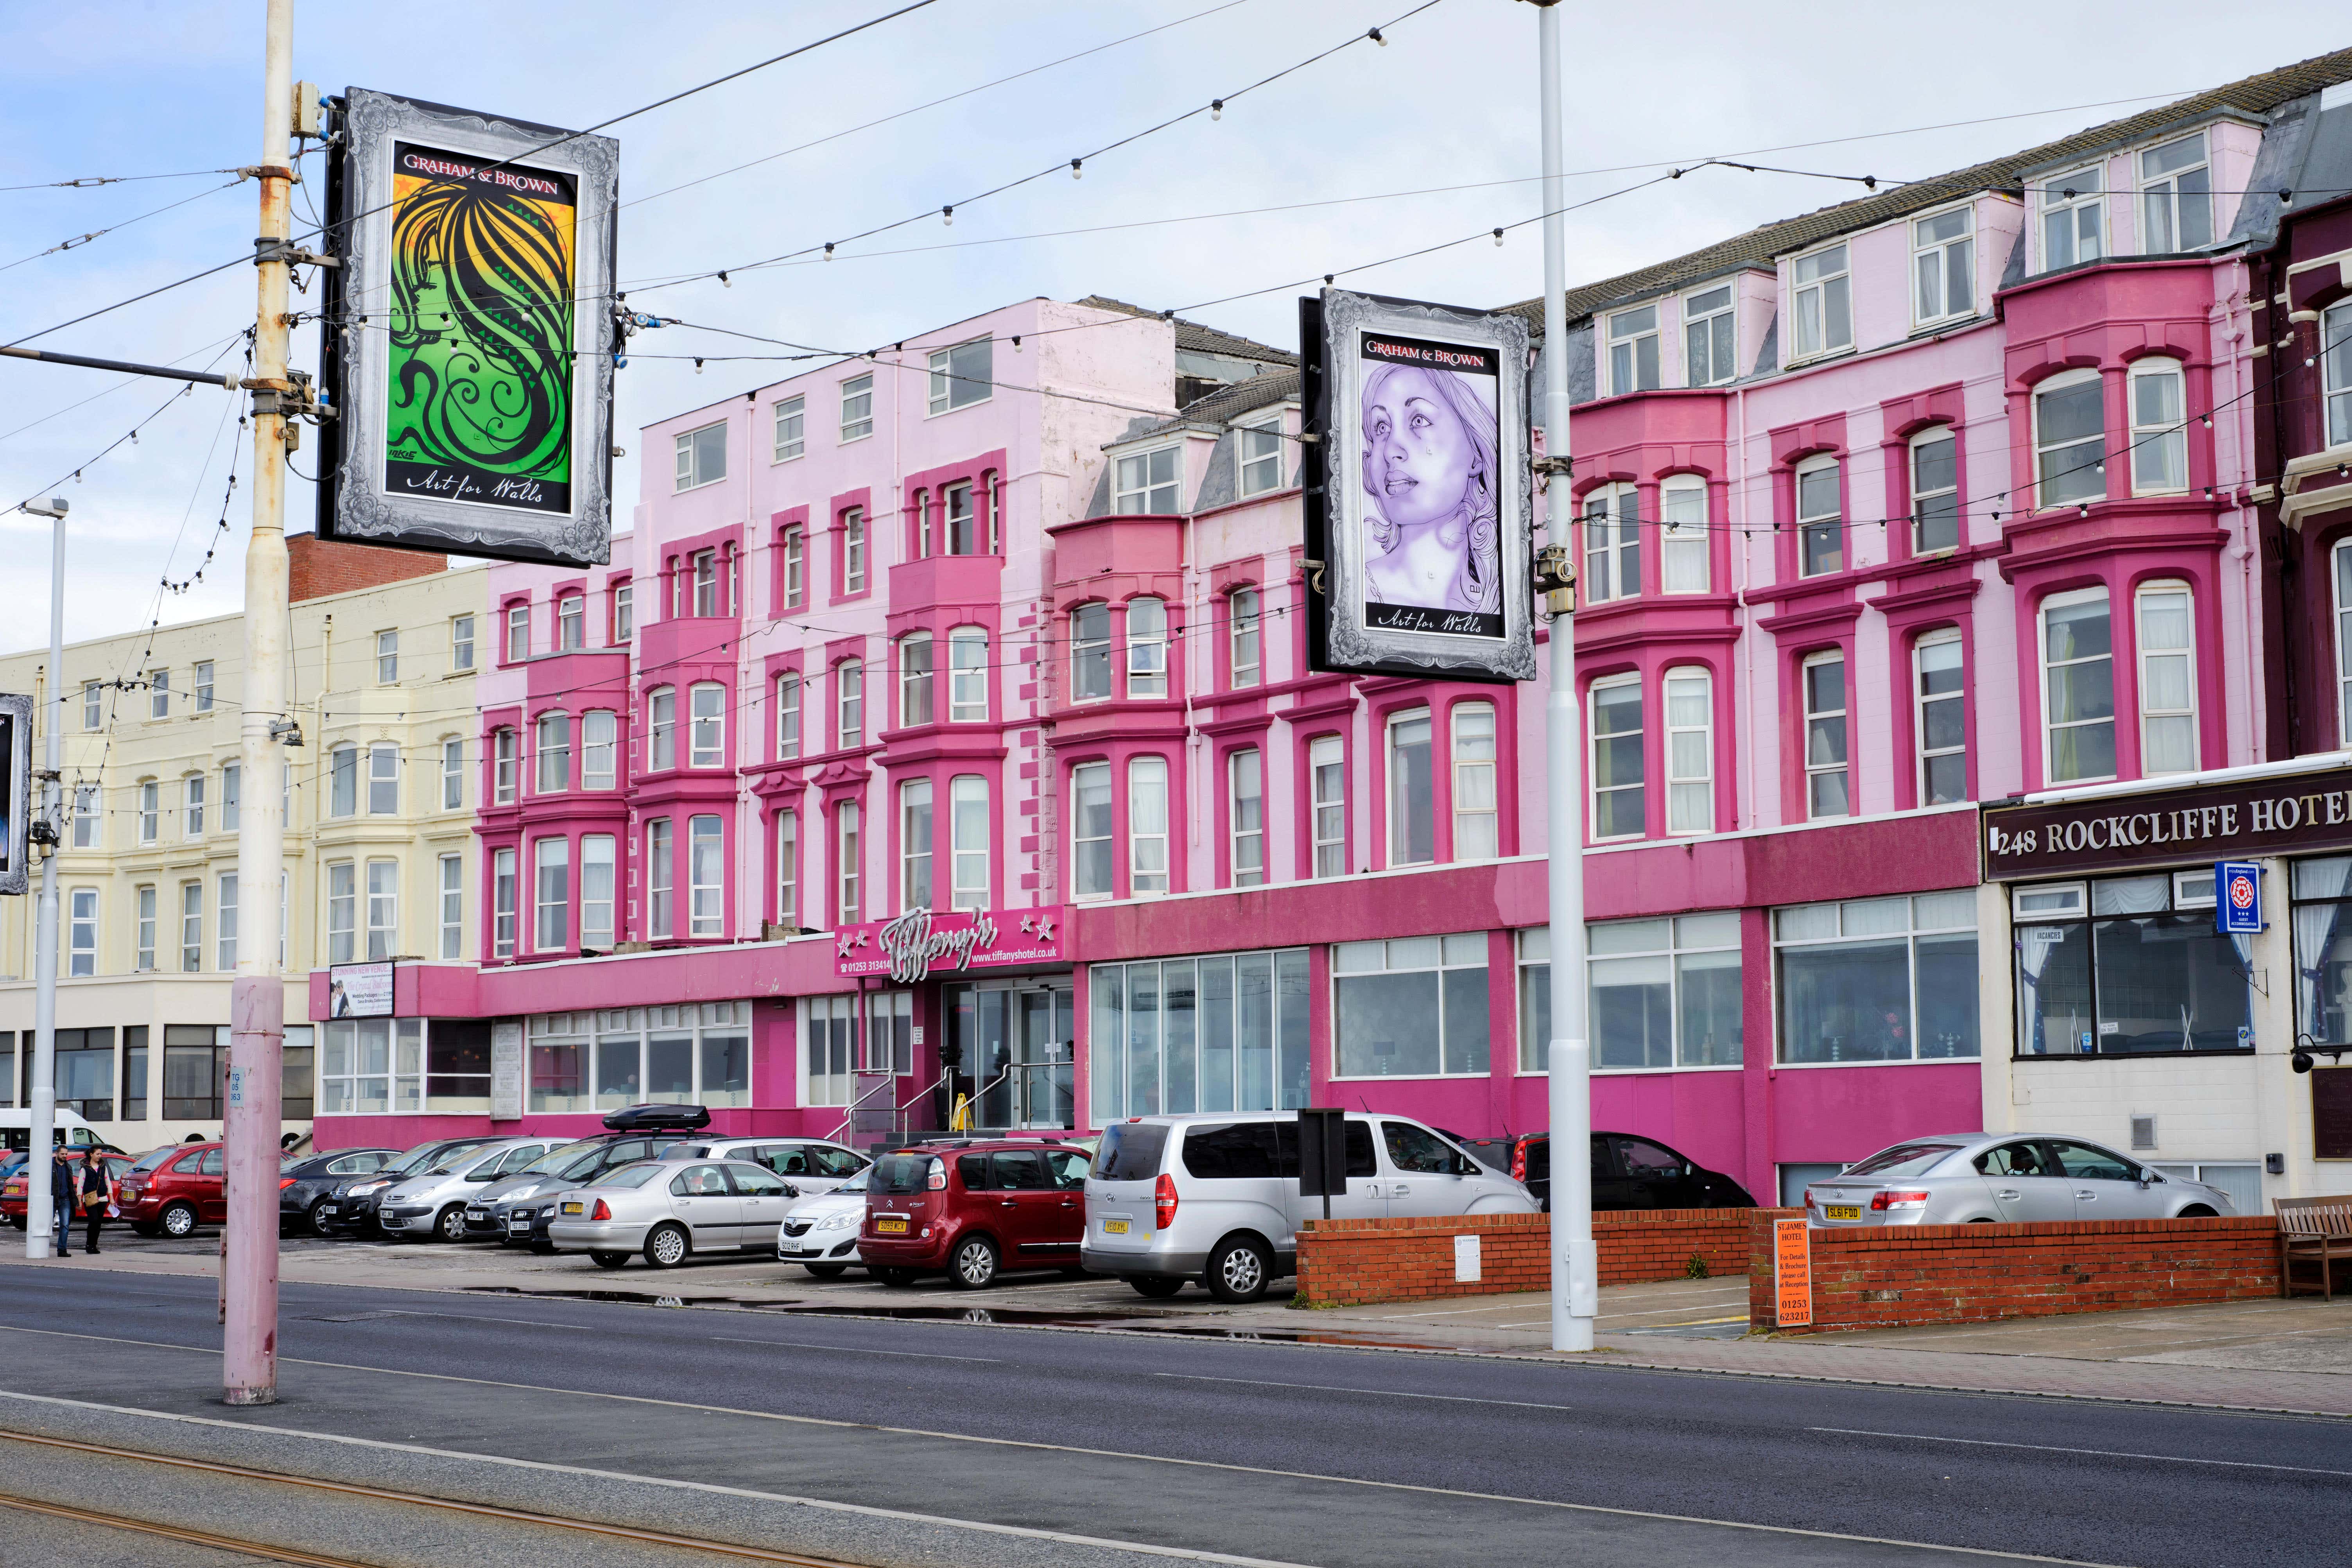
(173, 1189)
(972, 1208)
(11, 1191)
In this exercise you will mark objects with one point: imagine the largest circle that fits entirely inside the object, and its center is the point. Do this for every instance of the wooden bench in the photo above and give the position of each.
(2315, 1231)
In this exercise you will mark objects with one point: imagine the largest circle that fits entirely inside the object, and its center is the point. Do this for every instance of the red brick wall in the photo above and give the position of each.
(1350, 1261)
(317, 567)
(1881, 1277)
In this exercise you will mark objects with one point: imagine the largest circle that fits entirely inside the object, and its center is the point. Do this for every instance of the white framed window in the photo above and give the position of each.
(2073, 229)
(1149, 482)
(1829, 790)
(81, 934)
(1935, 490)
(2176, 196)
(552, 745)
(792, 427)
(387, 658)
(232, 797)
(1261, 457)
(159, 694)
(832, 1049)
(915, 844)
(1411, 1007)
(1633, 350)
(661, 727)
(1147, 827)
(915, 680)
(192, 928)
(93, 708)
(502, 903)
(661, 879)
(624, 613)
(143, 940)
(191, 816)
(701, 456)
(502, 766)
(1476, 819)
(1660, 994)
(343, 781)
(572, 621)
(1874, 980)
(2341, 573)
(342, 912)
(2155, 393)
(518, 633)
(857, 408)
(850, 702)
(1683, 565)
(705, 869)
(2078, 684)
(2335, 379)
(1146, 647)
(853, 551)
(1326, 766)
(1690, 750)
(1612, 544)
(596, 858)
(203, 681)
(552, 895)
(967, 828)
(225, 924)
(1824, 302)
(453, 776)
(702, 577)
(1245, 815)
(968, 676)
(383, 778)
(2070, 436)
(1091, 830)
(1412, 796)
(461, 643)
(707, 725)
(1710, 355)
(382, 908)
(848, 865)
(962, 520)
(451, 873)
(1242, 609)
(788, 715)
(795, 568)
(788, 869)
(962, 375)
(1820, 518)
(285, 919)
(150, 811)
(2168, 679)
(1943, 266)
(1619, 776)
(600, 749)
(88, 815)
(1090, 652)
(1939, 717)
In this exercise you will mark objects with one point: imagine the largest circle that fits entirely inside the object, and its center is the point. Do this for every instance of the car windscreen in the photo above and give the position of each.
(632, 1175)
(1131, 1151)
(1904, 1159)
(856, 1183)
(900, 1173)
(556, 1159)
(154, 1157)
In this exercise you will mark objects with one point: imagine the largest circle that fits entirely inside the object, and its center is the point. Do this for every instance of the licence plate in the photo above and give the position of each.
(890, 1227)
(573, 1208)
(477, 1214)
(1114, 1227)
(1842, 1211)
(326, 1211)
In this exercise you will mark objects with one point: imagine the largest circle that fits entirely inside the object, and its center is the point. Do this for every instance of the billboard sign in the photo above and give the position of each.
(920, 943)
(1418, 492)
(360, 990)
(16, 792)
(469, 340)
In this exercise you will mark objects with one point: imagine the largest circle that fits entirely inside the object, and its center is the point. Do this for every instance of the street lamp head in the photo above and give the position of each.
(58, 506)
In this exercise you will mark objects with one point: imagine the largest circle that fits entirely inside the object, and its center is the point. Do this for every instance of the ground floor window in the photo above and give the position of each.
(2243, 1180)
(2127, 965)
(1876, 980)
(85, 1072)
(1411, 1007)
(832, 1048)
(195, 1071)
(2322, 892)
(686, 1054)
(369, 1067)
(1663, 993)
(1226, 1033)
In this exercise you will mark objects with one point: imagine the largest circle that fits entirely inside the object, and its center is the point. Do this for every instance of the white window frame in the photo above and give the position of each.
(225, 906)
(1635, 351)
(791, 428)
(1612, 544)
(343, 912)
(706, 731)
(1690, 781)
(625, 611)
(600, 749)
(81, 934)
(2336, 371)
(453, 776)
(1476, 759)
(661, 879)
(387, 661)
(1831, 286)
(88, 816)
(517, 632)
(599, 853)
(550, 894)
(1245, 622)
(1686, 557)
(1257, 452)
(2070, 451)
(968, 831)
(661, 729)
(232, 797)
(142, 951)
(2157, 438)
(788, 869)
(1090, 652)
(915, 833)
(1148, 872)
(1085, 778)
(918, 681)
(692, 452)
(461, 644)
(1245, 815)
(959, 520)
(1935, 261)
(953, 386)
(702, 584)
(857, 408)
(1326, 769)
(968, 675)
(1433, 955)
(192, 928)
(706, 873)
(849, 703)
(151, 810)
(450, 874)
(796, 546)
(1830, 524)
(1146, 647)
(853, 551)
(1595, 737)
(503, 765)
(788, 714)
(571, 622)
(503, 888)
(203, 679)
(159, 700)
(1396, 803)
(551, 747)
(192, 806)
(93, 706)
(1699, 318)
(2089, 185)
(1137, 489)
(2162, 199)
(382, 908)
(2148, 654)
(383, 778)
(1843, 766)
(848, 860)
(1921, 699)
(2043, 662)
(1919, 443)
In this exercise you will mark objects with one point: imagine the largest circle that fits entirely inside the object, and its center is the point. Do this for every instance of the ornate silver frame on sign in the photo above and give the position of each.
(18, 807)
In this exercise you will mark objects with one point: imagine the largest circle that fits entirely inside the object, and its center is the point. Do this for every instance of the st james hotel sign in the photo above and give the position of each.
(2281, 815)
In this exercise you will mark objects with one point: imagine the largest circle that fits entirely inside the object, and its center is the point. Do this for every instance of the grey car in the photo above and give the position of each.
(1971, 1178)
(808, 1166)
(433, 1203)
(670, 1210)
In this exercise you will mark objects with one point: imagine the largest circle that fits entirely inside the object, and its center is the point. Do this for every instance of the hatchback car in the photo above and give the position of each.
(350, 1205)
(171, 1190)
(306, 1183)
(669, 1210)
(820, 1233)
(971, 1209)
(1214, 1198)
(808, 1166)
(1632, 1172)
(514, 1210)
(432, 1204)
(1968, 1178)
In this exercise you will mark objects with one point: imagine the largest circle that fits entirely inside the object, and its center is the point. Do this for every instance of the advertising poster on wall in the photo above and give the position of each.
(1417, 489)
(470, 344)
(16, 793)
(360, 990)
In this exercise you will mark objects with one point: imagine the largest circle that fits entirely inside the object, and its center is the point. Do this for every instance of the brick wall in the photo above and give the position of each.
(317, 567)
(1350, 1261)
(1881, 1277)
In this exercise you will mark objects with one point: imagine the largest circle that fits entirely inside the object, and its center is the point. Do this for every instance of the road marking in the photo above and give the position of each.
(2095, 1453)
(485, 1318)
(1407, 1487)
(855, 1349)
(1381, 1393)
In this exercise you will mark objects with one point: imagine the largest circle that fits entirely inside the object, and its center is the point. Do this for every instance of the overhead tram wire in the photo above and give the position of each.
(131, 434)
(78, 241)
(126, 381)
(91, 181)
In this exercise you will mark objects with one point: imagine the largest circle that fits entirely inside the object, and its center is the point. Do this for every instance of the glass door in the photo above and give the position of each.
(1012, 1045)
(1046, 1071)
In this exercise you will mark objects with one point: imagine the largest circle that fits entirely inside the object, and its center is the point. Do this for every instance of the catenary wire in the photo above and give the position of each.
(78, 241)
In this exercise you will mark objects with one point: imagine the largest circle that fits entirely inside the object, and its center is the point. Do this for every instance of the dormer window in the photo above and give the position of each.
(1709, 358)
(1824, 302)
(1943, 263)
(1633, 350)
(1148, 482)
(2176, 196)
(2071, 230)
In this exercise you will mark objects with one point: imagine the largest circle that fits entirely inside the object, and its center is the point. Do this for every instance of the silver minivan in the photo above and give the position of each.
(1214, 1198)
(432, 1203)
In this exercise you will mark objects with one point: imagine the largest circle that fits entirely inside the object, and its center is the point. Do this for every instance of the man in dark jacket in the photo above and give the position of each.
(62, 1185)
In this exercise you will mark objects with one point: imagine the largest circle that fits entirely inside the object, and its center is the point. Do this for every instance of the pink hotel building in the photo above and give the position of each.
(1902, 505)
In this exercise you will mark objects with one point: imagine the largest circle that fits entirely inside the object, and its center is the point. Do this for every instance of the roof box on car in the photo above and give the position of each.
(658, 1119)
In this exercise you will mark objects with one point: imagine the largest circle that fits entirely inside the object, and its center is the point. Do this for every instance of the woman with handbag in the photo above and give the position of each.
(96, 1191)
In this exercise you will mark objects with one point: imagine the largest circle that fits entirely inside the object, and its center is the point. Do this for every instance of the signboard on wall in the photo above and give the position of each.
(1417, 491)
(360, 990)
(2288, 814)
(2237, 897)
(16, 792)
(920, 943)
(1792, 1273)
(506, 1069)
(469, 343)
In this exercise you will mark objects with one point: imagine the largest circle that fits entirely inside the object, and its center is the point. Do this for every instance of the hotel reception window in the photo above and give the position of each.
(690, 1054)
(1878, 980)
(1227, 1033)
(2127, 965)
(1411, 1007)
(1663, 993)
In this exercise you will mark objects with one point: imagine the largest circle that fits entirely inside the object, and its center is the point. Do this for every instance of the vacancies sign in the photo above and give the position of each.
(2285, 814)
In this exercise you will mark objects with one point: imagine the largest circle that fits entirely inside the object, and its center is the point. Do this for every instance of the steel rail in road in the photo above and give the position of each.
(373, 1494)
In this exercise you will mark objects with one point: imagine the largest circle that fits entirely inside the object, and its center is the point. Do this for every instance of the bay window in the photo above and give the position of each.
(1690, 750)
(225, 924)
(142, 951)
(1618, 806)
(502, 767)
(82, 943)
(706, 863)
(661, 879)
(383, 778)
(1828, 790)
(1683, 556)
(1939, 718)
(1146, 647)
(502, 903)
(600, 749)
(915, 844)
(551, 894)
(2335, 371)
(1613, 545)
(1245, 816)
(1241, 611)
(1147, 826)
(1091, 830)
(382, 908)
(850, 702)
(1633, 350)
(1147, 482)
(968, 676)
(2176, 196)
(1412, 806)
(2322, 892)
(192, 800)
(2160, 428)
(452, 871)
(1821, 525)
(1476, 831)
(552, 745)
(703, 582)
(192, 927)
(151, 807)
(1934, 492)
(1943, 266)
(1874, 980)
(342, 912)
(596, 868)
(342, 786)
(2167, 680)
(962, 520)
(1326, 765)
(2070, 433)
(2129, 965)
(2078, 683)
(914, 679)
(969, 829)
(1090, 652)
(1823, 303)
(661, 729)
(452, 781)
(706, 729)
(89, 815)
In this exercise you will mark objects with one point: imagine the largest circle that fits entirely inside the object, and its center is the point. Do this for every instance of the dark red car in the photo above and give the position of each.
(972, 1208)
(13, 1189)
(173, 1189)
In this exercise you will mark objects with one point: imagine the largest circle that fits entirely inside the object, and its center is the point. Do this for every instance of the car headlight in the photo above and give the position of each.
(847, 1219)
(364, 1188)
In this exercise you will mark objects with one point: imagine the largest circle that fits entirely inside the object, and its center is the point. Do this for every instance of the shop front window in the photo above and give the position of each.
(1878, 980)
(1224, 1033)
(694, 1053)
(1412, 1007)
(2127, 965)
(2322, 949)
(368, 1066)
(1663, 993)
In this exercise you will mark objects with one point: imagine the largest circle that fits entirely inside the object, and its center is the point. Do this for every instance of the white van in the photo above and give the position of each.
(1214, 1198)
(16, 1129)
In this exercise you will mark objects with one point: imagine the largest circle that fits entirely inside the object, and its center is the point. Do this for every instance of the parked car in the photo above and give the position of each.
(669, 1210)
(432, 1202)
(1967, 1178)
(350, 1205)
(820, 1232)
(515, 1209)
(1214, 1198)
(1632, 1172)
(305, 1182)
(15, 1183)
(171, 1190)
(808, 1166)
(972, 1208)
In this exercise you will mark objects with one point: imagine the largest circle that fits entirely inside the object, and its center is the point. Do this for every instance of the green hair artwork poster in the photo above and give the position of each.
(479, 395)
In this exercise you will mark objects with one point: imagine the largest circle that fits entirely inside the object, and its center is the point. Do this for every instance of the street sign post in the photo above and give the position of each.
(1322, 1154)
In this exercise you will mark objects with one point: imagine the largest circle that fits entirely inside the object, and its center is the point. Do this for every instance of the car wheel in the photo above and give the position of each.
(178, 1220)
(2197, 1211)
(897, 1279)
(666, 1247)
(1981, 1219)
(609, 1259)
(827, 1270)
(449, 1224)
(1159, 1286)
(311, 1217)
(1238, 1271)
(975, 1263)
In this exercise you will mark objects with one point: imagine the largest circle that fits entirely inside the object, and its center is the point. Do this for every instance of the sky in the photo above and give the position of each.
(1369, 153)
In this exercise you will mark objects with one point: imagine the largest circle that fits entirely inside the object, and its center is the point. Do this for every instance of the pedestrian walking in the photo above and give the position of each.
(61, 1199)
(96, 1193)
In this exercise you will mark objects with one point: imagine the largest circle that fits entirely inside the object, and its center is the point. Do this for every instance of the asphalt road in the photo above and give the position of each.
(1293, 1453)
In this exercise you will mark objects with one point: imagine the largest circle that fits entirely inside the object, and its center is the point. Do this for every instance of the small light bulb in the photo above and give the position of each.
(828, 250)
(2209, 422)
(697, 367)
(947, 216)
(1016, 342)
(1375, 36)
(724, 282)
(1498, 239)
(1216, 109)
(1078, 168)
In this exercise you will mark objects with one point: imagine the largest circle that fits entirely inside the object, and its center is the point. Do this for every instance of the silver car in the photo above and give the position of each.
(808, 1166)
(669, 1210)
(820, 1233)
(1172, 1199)
(432, 1203)
(1969, 1178)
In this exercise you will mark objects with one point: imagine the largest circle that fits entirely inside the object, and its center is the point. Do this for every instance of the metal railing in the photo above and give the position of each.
(850, 1114)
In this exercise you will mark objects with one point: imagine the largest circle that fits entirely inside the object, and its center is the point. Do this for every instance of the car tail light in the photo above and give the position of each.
(1883, 1200)
(284, 1182)
(602, 1211)
(937, 1181)
(1809, 1197)
(1163, 1201)
(1520, 1161)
